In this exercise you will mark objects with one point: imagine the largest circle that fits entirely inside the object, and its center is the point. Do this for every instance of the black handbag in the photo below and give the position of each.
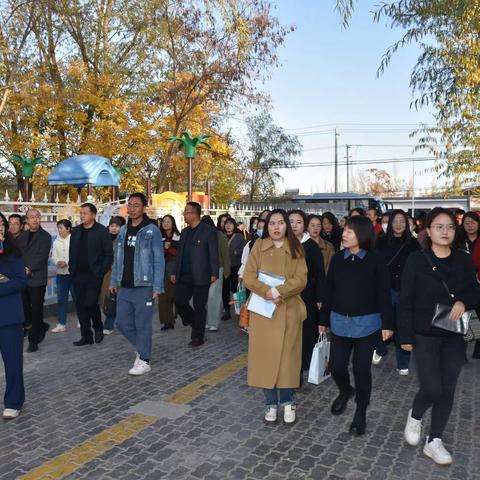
(109, 306)
(441, 317)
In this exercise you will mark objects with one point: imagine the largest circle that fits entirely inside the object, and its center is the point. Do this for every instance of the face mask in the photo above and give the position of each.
(259, 232)
(254, 226)
(384, 227)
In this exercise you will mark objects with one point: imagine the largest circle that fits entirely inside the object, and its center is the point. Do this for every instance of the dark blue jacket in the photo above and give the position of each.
(11, 308)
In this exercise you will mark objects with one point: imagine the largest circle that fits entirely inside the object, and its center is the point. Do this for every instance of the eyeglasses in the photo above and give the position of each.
(443, 228)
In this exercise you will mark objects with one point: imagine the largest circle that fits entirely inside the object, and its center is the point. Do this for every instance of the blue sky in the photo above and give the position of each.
(327, 78)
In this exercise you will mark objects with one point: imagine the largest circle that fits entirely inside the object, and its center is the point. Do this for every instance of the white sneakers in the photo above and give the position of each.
(213, 329)
(10, 413)
(376, 359)
(437, 452)
(434, 449)
(271, 415)
(107, 332)
(403, 372)
(139, 367)
(413, 430)
(59, 328)
(288, 414)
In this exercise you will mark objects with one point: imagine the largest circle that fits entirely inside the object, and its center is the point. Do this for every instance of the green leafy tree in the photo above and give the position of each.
(269, 148)
(446, 77)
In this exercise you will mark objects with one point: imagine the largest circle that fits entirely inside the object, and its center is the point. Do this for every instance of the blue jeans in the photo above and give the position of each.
(64, 287)
(109, 322)
(278, 396)
(380, 347)
(134, 318)
(403, 357)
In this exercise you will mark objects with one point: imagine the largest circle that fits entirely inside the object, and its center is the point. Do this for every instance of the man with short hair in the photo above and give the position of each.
(372, 214)
(90, 258)
(35, 245)
(138, 277)
(197, 268)
(15, 225)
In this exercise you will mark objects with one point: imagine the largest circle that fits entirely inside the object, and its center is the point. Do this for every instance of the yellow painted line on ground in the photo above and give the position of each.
(205, 383)
(75, 458)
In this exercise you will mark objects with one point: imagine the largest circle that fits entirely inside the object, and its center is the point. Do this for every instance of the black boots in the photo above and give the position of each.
(340, 403)
(359, 422)
(83, 341)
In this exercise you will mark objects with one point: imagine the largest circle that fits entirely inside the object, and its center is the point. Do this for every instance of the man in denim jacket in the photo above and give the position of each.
(137, 275)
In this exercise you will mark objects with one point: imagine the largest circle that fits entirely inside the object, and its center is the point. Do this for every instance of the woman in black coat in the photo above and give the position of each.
(313, 294)
(12, 281)
(358, 309)
(443, 275)
(396, 246)
(331, 230)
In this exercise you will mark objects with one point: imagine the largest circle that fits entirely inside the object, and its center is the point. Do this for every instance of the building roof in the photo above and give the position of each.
(84, 169)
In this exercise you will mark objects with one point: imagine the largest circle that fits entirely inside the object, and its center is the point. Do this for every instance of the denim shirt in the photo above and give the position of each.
(357, 326)
(149, 259)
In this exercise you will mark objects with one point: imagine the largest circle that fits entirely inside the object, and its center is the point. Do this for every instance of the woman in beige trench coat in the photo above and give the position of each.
(275, 344)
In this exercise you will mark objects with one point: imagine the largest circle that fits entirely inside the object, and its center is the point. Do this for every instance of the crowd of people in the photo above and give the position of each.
(367, 280)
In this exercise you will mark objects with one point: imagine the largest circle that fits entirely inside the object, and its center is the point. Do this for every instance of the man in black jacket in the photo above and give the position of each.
(197, 268)
(91, 256)
(35, 245)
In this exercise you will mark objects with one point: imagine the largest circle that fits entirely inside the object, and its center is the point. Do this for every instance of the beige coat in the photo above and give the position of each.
(275, 344)
(328, 251)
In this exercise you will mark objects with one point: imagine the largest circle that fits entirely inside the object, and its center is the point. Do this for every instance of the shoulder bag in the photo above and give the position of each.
(441, 317)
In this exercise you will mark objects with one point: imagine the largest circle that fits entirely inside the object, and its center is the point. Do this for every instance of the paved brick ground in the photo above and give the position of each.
(75, 393)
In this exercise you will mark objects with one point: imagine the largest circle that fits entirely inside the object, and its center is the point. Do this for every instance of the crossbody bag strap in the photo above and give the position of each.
(434, 268)
(396, 255)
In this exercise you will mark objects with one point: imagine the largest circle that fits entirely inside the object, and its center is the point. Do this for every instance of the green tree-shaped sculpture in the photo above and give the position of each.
(190, 145)
(27, 164)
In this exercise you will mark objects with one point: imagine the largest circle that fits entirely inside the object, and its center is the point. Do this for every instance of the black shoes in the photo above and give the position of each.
(340, 403)
(167, 326)
(359, 422)
(98, 336)
(196, 342)
(32, 347)
(226, 316)
(46, 327)
(83, 341)
(476, 350)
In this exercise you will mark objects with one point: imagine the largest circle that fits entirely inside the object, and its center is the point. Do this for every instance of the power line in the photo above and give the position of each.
(331, 147)
(361, 124)
(359, 162)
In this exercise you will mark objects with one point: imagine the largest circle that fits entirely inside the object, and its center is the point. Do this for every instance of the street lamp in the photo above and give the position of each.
(190, 145)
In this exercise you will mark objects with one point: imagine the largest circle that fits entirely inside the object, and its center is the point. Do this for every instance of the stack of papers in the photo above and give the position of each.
(259, 305)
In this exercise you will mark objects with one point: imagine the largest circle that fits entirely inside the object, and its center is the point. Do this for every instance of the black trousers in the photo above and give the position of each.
(230, 285)
(340, 351)
(196, 316)
(87, 292)
(33, 299)
(439, 361)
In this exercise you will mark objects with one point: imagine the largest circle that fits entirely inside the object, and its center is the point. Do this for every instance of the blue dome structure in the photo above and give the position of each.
(84, 170)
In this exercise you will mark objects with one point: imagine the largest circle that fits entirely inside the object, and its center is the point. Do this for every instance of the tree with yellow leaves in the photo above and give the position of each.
(119, 77)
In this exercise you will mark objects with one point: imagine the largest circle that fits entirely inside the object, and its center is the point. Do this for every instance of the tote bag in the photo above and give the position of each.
(319, 369)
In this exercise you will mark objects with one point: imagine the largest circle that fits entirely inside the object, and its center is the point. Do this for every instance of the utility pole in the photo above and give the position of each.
(413, 188)
(336, 161)
(348, 167)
